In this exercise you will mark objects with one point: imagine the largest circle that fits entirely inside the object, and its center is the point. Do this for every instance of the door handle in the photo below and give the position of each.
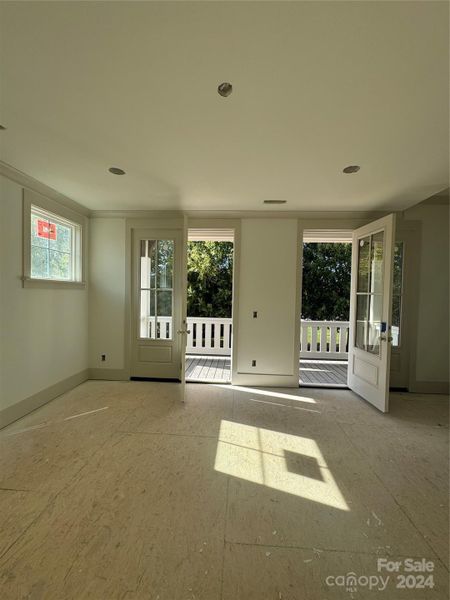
(386, 338)
(180, 331)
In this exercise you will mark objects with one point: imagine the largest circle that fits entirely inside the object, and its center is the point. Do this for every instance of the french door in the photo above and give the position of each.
(158, 291)
(371, 311)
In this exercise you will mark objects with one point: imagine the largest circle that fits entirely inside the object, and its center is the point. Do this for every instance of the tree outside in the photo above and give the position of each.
(326, 280)
(210, 279)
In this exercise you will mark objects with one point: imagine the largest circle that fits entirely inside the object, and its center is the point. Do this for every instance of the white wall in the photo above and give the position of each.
(44, 332)
(267, 283)
(107, 293)
(432, 342)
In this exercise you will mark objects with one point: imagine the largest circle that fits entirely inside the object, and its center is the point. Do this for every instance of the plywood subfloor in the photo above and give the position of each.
(116, 490)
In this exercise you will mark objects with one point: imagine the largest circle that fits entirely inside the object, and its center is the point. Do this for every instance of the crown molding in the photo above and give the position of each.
(237, 214)
(33, 184)
(441, 199)
(135, 214)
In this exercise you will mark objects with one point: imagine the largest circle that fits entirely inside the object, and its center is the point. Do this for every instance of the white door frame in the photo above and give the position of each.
(235, 225)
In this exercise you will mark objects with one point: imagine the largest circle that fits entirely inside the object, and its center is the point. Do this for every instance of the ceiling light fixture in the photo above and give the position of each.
(225, 89)
(116, 171)
(275, 201)
(351, 169)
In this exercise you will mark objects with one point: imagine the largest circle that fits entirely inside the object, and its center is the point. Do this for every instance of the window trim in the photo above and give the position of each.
(32, 199)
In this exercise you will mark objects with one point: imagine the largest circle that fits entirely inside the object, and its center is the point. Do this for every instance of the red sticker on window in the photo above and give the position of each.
(46, 230)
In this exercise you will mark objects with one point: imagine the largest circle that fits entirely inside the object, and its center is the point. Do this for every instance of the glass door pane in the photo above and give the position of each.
(363, 265)
(156, 289)
(369, 300)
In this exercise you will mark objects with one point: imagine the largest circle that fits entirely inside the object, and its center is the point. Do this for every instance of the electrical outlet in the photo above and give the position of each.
(255, 314)
(253, 363)
(103, 357)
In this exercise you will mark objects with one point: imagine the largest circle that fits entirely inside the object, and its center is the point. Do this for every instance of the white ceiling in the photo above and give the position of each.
(317, 86)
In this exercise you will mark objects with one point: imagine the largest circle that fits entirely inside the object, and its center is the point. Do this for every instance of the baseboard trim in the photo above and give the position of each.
(430, 387)
(24, 407)
(109, 374)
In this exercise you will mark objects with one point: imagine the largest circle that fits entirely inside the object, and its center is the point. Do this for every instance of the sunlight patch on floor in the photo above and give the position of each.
(270, 393)
(283, 462)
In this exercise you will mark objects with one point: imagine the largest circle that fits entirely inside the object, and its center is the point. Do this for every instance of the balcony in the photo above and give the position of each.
(323, 350)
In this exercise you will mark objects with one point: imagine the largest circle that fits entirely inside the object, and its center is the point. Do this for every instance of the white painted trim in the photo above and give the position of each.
(234, 377)
(210, 235)
(54, 284)
(137, 215)
(109, 374)
(298, 301)
(34, 185)
(325, 219)
(430, 387)
(327, 236)
(24, 407)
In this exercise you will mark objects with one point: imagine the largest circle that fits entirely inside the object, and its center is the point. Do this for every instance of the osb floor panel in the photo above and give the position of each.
(116, 490)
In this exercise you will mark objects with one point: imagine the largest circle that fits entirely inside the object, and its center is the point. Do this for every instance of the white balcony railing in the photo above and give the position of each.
(318, 339)
(324, 339)
(209, 336)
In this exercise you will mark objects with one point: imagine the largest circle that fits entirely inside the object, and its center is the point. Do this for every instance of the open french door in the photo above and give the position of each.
(370, 311)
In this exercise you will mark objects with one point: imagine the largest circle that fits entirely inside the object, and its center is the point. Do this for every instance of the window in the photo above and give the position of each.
(55, 245)
(52, 243)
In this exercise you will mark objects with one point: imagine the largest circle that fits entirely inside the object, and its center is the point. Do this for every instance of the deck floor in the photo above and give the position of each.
(330, 373)
(327, 373)
(208, 368)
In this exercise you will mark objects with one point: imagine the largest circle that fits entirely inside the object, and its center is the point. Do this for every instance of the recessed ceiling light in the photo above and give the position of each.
(351, 169)
(116, 171)
(275, 201)
(225, 89)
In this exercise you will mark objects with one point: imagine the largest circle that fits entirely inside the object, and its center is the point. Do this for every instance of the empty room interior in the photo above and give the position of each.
(224, 300)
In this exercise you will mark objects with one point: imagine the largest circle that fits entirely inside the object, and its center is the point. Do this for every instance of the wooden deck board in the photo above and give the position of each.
(208, 368)
(312, 372)
(323, 372)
